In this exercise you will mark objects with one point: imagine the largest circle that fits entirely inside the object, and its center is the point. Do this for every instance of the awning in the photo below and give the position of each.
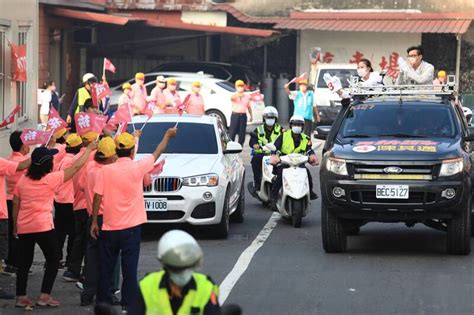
(396, 22)
(91, 16)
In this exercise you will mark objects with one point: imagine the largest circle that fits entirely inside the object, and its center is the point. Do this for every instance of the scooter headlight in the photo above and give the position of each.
(337, 166)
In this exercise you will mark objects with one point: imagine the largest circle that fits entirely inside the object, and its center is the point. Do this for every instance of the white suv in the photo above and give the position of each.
(202, 182)
(328, 102)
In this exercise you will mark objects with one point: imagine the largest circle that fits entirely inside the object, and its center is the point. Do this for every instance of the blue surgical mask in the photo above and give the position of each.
(270, 121)
(297, 129)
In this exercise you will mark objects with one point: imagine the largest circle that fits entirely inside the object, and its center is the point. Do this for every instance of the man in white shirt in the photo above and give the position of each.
(416, 71)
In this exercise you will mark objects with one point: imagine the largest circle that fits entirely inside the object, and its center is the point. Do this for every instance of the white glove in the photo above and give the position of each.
(402, 64)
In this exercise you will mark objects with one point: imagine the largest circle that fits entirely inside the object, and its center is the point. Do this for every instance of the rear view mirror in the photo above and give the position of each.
(233, 148)
(470, 134)
(322, 132)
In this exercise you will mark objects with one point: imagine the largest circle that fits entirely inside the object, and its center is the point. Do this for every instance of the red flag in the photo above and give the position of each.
(11, 117)
(86, 122)
(181, 107)
(18, 62)
(186, 99)
(157, 169)
(302, 77)
(109, 66)
(148, 110)
(256, 96)
(122, 115)
(99, 91)
(55, 121)
(33, 136)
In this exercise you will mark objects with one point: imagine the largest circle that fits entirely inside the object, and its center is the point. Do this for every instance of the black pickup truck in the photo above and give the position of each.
(394, 159)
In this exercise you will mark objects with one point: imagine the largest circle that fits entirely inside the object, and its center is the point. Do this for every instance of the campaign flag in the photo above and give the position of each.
(302, 77)
(148, 110)
(256, 96)
(99, 91)
(18, 53)
(158, 168)
(55, 121)
(33, 136)
(11, 117)
(186, 99)
(181, 107)
(334, 83)
(109, 66)
(86, 122)
(122, 115)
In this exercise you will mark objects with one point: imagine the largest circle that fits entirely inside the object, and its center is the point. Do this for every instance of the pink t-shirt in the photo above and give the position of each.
(138, 96)
(158, 96)
(121, 186)
(36, 202)
(7, 168)
(65, 193)
(92, 171)
(78, 181)
(61, 147)
(11, 180)
(124, 99)
(173, 101)
(195, 104)
(240, 104)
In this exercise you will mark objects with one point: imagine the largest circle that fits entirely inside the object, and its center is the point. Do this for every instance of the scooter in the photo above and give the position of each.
(267, 176)
(294, 197)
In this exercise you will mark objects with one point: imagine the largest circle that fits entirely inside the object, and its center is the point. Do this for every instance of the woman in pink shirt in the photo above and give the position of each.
(194, 102)
(138, 94)
(238, 119)
(33, 220)
(125, 99)
(173, 100)
(157, 95)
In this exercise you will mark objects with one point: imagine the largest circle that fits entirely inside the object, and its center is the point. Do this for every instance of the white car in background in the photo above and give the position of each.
(329, 103)
(216, 93)
(202, 182)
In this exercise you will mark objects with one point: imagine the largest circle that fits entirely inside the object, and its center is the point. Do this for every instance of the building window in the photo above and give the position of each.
(21, 86)
(2, 73)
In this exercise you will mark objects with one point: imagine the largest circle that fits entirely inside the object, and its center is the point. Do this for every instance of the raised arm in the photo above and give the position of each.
(76, 166)
(170, 133)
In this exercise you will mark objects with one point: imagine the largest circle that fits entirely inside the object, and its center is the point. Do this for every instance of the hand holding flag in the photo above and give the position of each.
(302, 77)
(86, 122)
(11, 117)
(158, 168)
(109, 66)
(99, 91)
(55, 121)
(256, 96)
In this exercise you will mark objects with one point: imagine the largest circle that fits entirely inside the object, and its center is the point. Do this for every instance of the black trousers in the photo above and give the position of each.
(48, 244)
(257, 169)
(238, 126)
(80, 241)
(64, 225)
(308, 128)
(278, 180)
(12, 259)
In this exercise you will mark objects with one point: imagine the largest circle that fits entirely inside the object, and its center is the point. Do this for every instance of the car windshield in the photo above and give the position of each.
(343, 74)
(395, 120)
(226, 85)
(191, 138)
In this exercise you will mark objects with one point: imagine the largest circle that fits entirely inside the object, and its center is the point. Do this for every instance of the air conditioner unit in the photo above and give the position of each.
(85, 36)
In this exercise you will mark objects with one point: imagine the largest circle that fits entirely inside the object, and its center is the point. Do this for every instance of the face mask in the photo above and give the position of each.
(362, 72)
(297, 129)
(182, 278)
(270, 122)
(412, 60)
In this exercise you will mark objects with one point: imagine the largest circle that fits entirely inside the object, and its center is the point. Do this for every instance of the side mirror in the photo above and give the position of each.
(470, 134)
(233, 148)
(322, 132)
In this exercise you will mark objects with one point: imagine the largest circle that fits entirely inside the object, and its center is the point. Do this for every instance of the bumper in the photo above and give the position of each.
(189, 206)
(425, 200)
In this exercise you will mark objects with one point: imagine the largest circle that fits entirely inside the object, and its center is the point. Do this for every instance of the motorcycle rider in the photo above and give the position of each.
(292, 141)
(263, 134)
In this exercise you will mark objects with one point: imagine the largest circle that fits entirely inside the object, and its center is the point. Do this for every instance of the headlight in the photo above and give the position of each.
(451, 167)
(337, 166)
(201, 180)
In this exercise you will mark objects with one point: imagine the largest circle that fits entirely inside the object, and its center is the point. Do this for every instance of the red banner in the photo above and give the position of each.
(148, 110)
(122, 115)
(109, 66)
(86, 122)
(18, 62)
(99, 91)
(55, 121)
(11, 117)
(33, 136)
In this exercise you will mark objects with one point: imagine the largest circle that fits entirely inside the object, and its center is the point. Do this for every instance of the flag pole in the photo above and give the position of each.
(145, 123)
(50, 136)
(103, 68)
(131, 117)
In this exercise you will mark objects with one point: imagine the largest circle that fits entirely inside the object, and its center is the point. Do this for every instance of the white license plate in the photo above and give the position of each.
(156, 204)
(392, 192)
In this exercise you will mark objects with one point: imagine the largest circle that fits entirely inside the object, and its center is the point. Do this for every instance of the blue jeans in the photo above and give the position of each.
(111, 244)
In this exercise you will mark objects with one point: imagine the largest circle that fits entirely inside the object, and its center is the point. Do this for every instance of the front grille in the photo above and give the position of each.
(165, 184)
(376, 172)
(415, 197)
(164, 215)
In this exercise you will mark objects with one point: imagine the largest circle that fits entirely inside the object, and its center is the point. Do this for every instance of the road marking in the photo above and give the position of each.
(245, 258)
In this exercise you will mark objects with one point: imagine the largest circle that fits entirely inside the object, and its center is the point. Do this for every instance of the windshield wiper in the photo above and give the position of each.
(401, 135)
(358, 136)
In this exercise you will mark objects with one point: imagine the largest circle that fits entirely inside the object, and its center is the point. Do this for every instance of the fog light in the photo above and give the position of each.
(207, 196)
(449, 193)
(338, 192)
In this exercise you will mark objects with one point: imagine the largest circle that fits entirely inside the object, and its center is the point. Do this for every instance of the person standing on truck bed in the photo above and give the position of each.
(416, 71)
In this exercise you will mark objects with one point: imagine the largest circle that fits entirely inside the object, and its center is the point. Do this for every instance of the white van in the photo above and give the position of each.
(328, 102)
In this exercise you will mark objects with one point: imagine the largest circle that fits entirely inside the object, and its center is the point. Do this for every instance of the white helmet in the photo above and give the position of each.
(86, 77)
(270, 112)
(178, 249)
(296, 119)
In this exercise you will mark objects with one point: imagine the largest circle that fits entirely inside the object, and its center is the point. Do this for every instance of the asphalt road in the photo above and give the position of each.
(388, 269)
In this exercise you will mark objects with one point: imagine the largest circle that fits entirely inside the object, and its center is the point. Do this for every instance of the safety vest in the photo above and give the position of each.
(82, 96)
(157, 299)
(261, 135)
(288, 145)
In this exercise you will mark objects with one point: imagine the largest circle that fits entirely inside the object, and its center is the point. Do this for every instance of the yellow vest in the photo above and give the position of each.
(261, 135)
(157, 300)
(82, 96)
(288, 145)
